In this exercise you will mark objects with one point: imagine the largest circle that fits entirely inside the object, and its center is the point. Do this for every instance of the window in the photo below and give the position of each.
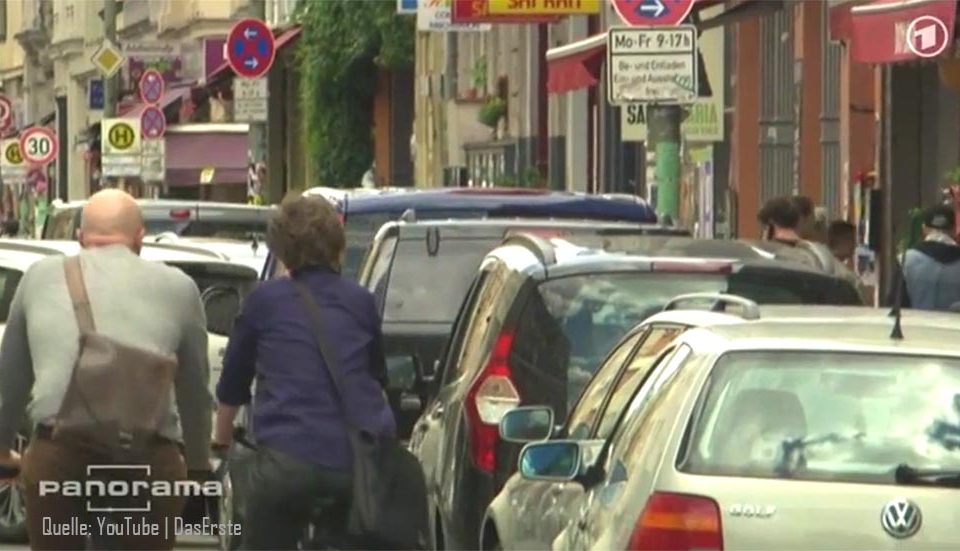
(426, 288)
(826, 416)
(466, 324)
(380, 271)
(585, 413)
(636, 372)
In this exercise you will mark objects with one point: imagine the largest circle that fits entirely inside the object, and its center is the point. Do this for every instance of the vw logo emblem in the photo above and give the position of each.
(901, 518)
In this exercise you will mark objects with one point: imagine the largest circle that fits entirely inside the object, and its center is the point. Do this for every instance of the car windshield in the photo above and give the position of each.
(429, 288)
(829, 416)
(587, 314)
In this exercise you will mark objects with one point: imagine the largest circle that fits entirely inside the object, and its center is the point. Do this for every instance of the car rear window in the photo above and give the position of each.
(826, 416)
(571, 322)
(429, 288)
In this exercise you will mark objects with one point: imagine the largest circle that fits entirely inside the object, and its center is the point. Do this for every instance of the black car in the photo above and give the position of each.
(538, 319)
(421, 271)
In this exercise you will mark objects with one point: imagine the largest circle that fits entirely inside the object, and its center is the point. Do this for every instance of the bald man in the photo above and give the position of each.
(144, 304)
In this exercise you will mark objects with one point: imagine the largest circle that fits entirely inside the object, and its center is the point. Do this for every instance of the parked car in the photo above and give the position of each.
(186, 218)
(528, 514)
(364, 215)
(805, 428)
(421, 271)
(539, 317)
(252, 253)
(220, 282)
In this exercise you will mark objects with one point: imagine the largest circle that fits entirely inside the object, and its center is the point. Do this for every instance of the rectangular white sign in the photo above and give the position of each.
(706, 120)
(652, 65)
(437, 15)
(12, 168)
(250, 99)
(122, 165)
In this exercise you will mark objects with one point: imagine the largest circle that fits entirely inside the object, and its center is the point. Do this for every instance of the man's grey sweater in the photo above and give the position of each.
(141, 303)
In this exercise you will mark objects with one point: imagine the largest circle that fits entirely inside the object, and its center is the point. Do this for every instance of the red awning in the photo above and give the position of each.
(876, 32)
(170, 97)
(188, 154)
(576, 65)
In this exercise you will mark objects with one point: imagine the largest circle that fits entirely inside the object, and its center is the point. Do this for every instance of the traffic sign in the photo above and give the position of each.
(120, 136)
(652, 65)
(6, 113)
(39, 145)
(653, 12)
(12, 167)
(153, 123)
(151, 87)
(107, 59)
(11, 153)
(251, 48)
(250, 99)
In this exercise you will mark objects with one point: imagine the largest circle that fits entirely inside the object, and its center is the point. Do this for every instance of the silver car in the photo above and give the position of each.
(807, 428)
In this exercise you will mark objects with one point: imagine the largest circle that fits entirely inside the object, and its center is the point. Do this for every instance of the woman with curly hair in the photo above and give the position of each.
(300, 418)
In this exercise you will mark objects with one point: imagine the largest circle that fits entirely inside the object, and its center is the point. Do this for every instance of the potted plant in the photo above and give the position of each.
(492, 111)
(479, 79)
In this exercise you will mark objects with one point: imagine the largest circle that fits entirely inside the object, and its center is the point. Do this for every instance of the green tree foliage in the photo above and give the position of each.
(343, 45)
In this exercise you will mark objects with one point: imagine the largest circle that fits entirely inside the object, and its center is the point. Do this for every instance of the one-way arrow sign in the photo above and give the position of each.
(654, 8)
(653, 13)
(250, 48)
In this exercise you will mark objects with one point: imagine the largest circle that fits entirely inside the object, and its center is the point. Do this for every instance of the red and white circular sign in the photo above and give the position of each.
(152, 87)
(39, 145)
(6, 113)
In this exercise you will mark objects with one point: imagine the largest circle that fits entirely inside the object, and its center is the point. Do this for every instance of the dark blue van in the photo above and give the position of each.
(365, 214)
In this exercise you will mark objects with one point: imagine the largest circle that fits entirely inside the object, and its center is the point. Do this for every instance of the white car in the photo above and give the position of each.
(251, 253)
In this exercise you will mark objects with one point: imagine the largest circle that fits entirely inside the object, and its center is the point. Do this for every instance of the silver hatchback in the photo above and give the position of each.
(809, 428)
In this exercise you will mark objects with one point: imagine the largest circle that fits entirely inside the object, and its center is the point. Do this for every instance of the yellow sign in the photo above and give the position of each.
(705, 122)
(206, 175)
(107, 59)
(544, 7)
(121, 136)
(12, 154)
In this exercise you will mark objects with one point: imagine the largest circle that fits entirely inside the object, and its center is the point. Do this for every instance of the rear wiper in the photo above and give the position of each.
(905, 474)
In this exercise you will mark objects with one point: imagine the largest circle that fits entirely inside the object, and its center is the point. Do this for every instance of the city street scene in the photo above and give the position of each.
(653, 275)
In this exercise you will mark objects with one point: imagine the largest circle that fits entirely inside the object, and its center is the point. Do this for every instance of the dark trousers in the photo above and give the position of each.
(284, 494)
(54, 519)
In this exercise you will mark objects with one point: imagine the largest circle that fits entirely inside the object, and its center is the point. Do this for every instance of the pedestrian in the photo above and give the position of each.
(842, 240)
(780, 219)
(931, 269)
(110, 352)
(301, 417)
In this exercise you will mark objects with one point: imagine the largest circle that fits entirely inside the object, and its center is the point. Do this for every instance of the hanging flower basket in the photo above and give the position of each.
(492, 111)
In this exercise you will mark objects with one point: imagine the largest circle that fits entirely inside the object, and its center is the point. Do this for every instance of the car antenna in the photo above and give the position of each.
(255, 245)
(897, 310)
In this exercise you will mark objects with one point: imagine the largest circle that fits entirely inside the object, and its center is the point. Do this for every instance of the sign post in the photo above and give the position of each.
(39, 145)
(657, 65)
(121, 144)
(251, 49)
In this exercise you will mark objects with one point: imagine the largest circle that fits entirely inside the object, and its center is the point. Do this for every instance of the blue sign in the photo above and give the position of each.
(406, 6)
(95, 93)
(250, 48)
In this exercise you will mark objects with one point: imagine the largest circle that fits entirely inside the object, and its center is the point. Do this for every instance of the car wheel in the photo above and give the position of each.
(13, 507)
(227, 513)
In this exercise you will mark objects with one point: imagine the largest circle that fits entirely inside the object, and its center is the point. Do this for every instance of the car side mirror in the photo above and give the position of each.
(221, 305)
(552, 461)
(527, 424)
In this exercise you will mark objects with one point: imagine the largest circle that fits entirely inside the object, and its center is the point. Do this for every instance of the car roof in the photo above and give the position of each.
(504, 202)
(33, 250)
(498, 225)
(172, 204)
(837, 328)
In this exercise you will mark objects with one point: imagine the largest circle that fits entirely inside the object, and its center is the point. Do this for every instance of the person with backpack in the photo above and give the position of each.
(309, 397)
(109, 351)
(930, 274)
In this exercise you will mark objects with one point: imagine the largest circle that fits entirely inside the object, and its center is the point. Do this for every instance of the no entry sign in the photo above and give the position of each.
(151, 87)
(653, 12)
(38, 145)
(250, 48)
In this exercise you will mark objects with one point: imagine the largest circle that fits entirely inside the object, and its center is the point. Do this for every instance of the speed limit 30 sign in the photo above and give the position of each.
(39, 145)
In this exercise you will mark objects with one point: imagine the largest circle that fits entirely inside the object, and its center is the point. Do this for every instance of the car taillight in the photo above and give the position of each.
(711, 267)
(678, 522)
(490, 397)
(180, 214)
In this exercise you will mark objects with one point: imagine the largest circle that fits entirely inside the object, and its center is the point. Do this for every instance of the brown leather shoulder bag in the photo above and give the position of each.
(118, 394)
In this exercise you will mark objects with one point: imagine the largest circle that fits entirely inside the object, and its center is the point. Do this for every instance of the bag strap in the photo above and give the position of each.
(326, 352)
(78, 295)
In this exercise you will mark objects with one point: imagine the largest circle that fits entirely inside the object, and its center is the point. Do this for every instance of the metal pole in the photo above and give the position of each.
(664, 121)
(110, 85)
(257, 135)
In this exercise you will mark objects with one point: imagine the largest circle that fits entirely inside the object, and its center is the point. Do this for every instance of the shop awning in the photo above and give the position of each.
(189, 154)
(576, 65)
(876, 32)
(170, 97)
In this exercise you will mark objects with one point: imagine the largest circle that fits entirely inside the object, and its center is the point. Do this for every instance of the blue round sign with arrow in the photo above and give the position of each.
(639, 13)
(251, 48)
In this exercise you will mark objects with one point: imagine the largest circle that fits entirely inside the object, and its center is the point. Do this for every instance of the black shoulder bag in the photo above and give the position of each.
(388, 508)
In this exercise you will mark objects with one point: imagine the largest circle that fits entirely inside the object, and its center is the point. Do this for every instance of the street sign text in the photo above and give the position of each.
(652, 65)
